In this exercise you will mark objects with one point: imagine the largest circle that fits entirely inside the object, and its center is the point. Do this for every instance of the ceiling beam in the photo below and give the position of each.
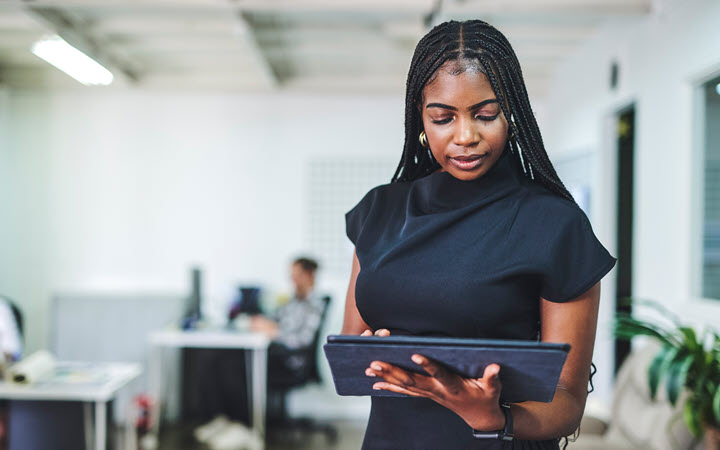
(511, 7)
(245, 30)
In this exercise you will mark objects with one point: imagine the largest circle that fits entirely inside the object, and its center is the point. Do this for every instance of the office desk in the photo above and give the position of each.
(256, 358)
(90, 383)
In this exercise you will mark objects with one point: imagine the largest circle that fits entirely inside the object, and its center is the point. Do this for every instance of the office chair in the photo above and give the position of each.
(280, 384)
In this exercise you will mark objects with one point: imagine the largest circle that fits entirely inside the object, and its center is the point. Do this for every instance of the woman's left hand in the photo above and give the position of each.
(476, 400)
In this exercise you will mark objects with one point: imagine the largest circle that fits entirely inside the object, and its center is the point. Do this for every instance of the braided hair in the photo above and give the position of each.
(476, 44)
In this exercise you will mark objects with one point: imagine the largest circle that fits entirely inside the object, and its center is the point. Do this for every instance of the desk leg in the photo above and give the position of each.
(88, 424)
(156, 390)
(259, 389)
(100, 425)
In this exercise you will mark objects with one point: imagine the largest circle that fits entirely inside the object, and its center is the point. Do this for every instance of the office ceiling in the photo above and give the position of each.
(326, 45)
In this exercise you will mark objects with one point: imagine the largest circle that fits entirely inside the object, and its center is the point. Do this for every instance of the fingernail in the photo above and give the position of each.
(369, 373)
(376, 387)
(376, 367)
(416, 359)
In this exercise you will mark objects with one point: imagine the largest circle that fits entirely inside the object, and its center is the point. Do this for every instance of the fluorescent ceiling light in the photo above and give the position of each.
(72, 61)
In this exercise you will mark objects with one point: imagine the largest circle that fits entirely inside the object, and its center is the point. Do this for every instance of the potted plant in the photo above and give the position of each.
(685, 363)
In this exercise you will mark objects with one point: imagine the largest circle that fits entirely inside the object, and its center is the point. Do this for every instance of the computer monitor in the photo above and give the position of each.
(193, 303)
(247, 301)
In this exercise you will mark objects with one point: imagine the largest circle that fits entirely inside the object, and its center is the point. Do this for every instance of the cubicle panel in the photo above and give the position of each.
(104, 327)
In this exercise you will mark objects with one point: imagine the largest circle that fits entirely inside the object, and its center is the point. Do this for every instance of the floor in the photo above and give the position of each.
(350, 436)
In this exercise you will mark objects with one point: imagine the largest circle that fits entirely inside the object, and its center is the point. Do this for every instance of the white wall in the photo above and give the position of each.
(5, 211)
(4, 93)
(661, 59)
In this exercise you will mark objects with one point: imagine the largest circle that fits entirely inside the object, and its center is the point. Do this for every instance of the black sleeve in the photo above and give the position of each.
(576, 260)
(356, 218)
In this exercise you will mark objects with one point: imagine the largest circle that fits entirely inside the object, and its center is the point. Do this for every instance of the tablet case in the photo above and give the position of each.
(529, 370)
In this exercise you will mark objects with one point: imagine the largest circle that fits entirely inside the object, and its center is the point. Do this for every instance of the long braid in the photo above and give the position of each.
(515, 86)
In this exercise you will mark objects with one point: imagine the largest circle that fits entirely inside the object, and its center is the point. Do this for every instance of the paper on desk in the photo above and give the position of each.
(39, 365)
(80, 373)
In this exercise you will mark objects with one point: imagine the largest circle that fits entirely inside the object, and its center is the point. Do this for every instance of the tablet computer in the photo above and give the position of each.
(529, 370)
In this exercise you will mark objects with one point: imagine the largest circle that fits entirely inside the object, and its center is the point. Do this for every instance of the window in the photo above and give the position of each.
(711, 191)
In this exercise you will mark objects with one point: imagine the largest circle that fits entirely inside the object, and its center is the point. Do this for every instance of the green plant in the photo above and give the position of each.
(684, 362)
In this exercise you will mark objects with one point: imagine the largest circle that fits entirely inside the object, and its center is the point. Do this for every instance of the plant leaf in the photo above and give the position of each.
(677, 375)
(628, 327)
(716, 404)
(691, 414)
(658, 368)
(690, 338)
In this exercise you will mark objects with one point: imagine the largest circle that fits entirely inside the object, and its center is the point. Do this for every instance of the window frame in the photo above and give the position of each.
(696, 266)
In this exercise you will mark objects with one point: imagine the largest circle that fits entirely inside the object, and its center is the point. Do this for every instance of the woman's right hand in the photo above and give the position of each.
(382, 332)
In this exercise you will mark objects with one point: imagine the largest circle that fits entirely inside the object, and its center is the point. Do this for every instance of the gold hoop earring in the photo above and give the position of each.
(423, 139)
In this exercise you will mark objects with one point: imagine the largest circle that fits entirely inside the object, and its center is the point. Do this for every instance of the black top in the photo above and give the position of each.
(445, 257)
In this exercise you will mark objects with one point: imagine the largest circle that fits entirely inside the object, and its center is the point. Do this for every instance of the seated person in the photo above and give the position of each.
(220, 374)
(294, 325)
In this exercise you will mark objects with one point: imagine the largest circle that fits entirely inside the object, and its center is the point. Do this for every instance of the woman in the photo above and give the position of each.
(476, 236)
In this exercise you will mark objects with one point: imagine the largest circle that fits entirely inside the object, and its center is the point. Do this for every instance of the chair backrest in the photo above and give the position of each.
(300, 365)
(314, 372)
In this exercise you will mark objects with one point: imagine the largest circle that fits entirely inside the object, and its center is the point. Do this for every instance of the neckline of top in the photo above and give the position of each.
(441, 191)
(503, 168)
